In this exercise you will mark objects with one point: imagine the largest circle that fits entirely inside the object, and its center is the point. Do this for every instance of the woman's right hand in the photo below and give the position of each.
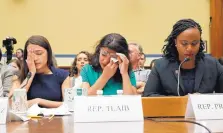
(30, 61)
(110, 69)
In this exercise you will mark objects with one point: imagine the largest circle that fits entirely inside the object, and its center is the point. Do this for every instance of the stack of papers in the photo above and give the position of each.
(36, 110)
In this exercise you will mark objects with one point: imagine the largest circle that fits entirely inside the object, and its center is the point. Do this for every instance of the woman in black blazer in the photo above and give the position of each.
(199, 73)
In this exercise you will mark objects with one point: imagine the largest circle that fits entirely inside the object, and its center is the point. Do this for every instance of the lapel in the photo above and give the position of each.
(175, 72)
(199, 71)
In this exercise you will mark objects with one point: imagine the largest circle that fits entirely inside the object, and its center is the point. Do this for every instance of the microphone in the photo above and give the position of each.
(178, 77)
(29, 75)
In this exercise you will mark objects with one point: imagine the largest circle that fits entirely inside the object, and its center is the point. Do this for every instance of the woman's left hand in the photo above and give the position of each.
(123, 64)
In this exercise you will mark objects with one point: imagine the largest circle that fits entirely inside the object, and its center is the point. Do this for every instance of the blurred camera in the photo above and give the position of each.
(9, 41)
(8, 44)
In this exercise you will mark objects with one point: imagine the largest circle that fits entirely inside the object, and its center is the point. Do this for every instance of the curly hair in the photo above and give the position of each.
(73, 70)
(170, 50)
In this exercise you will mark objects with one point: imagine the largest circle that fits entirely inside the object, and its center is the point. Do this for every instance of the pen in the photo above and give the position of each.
(34, 116)
(51, 117)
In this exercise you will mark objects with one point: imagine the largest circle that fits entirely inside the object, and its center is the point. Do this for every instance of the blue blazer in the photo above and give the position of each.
(163, 78)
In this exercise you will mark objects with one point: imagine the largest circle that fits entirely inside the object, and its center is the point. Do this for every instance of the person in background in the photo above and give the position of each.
(142, 60)
(140, 74)
(44, 83)
(110, 69)
(199, 73)
(19, 54)
(152, 63)
(16, 64)
(220, 60)
(7, 74)
(54, 60)
(81, 59)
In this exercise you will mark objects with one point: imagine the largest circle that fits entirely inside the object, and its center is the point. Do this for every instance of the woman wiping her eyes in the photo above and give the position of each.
(46, 84)
(110, 69)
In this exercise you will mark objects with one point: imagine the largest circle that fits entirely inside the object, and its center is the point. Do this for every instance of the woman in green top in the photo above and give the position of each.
(110, 69)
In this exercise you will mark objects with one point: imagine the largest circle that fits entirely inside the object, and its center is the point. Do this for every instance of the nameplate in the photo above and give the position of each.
(108, 108)
(3, 110)
(205, 106)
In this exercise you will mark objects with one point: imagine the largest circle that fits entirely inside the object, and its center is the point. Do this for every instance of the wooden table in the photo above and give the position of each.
(65, 124)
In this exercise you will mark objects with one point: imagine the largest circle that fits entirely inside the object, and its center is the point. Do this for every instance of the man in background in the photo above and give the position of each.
(6, 74)
(19, 54)
(141, 75)
(142, 60)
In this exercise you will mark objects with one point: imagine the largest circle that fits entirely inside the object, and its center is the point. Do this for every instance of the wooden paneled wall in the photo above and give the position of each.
(216, 28)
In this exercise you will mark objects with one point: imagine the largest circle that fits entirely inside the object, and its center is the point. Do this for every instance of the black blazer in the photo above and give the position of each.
(163, 77)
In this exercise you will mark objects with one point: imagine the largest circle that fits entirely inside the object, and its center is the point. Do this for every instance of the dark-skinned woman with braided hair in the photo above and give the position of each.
(184, 61)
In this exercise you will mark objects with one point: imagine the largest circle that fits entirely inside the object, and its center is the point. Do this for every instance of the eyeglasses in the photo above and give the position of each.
(106, 53)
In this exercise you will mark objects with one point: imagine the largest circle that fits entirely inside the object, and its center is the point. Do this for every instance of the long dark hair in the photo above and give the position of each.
(42, 42)
(115, 42)
(17, 62)
(170, 50)
(73, 70)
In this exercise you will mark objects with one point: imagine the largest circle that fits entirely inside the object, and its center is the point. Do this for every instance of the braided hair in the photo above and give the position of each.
(170, 50)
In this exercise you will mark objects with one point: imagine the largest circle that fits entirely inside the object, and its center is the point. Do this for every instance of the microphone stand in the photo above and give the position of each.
(178, 77)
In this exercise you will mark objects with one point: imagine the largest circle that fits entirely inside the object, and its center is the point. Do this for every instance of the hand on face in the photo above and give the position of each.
(110, 69)
(123, 64)
(30, 61)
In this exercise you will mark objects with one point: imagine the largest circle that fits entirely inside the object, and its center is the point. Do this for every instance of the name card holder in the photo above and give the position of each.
(108, 108)
(204, 106)
(3, 109)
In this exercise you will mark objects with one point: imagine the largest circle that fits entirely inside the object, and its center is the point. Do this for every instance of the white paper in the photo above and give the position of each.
(18, 116)
(35, 110)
